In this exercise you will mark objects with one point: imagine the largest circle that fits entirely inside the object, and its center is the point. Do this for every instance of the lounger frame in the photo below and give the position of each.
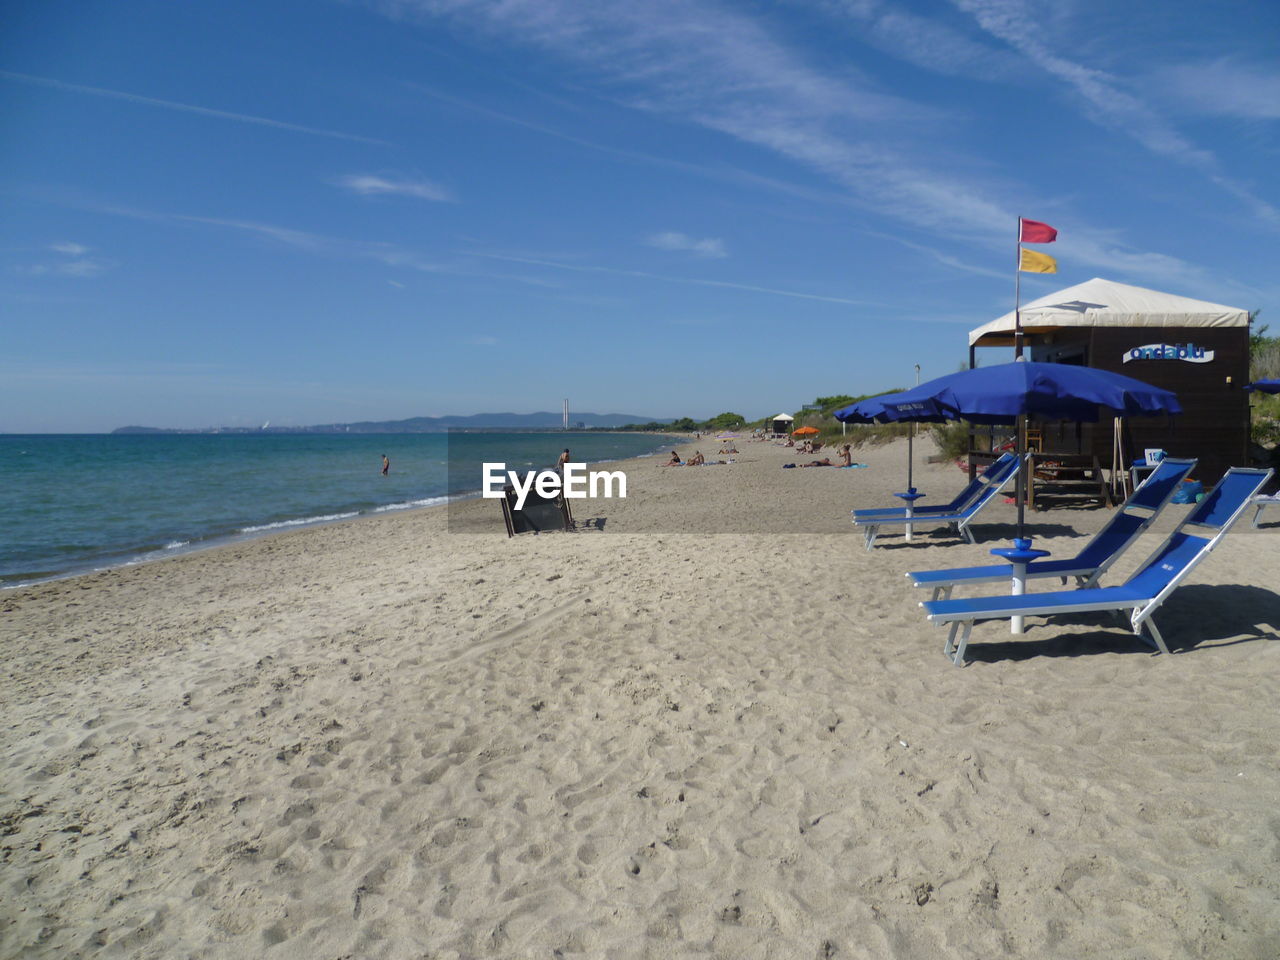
(1138, 513)
(1180, 553)
(994, 481)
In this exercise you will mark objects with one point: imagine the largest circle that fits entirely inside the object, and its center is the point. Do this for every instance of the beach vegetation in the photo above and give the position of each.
(1264, 409)
(725, 421)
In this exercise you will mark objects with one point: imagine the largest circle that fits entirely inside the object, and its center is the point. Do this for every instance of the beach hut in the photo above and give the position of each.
(1197, 349)
(781, 424)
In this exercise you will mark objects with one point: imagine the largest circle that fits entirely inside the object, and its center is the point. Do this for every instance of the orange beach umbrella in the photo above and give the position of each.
(805, 432)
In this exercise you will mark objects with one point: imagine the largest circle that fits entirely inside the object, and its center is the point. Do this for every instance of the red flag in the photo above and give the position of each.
(1033, 231)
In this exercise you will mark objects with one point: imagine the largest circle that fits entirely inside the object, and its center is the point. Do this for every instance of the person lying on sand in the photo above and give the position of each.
(826, 462)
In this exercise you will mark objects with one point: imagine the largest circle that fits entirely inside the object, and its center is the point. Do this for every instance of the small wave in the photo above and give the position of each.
(428, 502)
(302, 522)
(177, 544)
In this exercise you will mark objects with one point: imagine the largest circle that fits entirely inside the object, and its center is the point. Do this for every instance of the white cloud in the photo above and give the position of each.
(74, 263)
(368, 185)
(710, 247)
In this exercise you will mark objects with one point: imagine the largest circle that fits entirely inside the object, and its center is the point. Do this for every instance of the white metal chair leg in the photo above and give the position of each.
(1150, 624)
(958, 659)
(949, 648)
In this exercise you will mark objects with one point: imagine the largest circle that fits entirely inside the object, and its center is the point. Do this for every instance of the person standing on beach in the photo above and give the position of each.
(563, 459)
(386, 465)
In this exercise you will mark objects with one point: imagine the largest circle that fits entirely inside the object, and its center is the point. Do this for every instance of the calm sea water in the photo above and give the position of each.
(74, 503)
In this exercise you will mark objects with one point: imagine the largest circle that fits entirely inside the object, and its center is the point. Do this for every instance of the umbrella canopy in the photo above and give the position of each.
(805, 432)
(1052, 391)
(1265, 386)
(873, 409)
(1001, 394)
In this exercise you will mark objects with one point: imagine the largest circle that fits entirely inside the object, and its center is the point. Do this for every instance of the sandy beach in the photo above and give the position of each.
(715, 726)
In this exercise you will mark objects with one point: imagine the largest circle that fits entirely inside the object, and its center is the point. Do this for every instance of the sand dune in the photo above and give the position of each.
(384, 739)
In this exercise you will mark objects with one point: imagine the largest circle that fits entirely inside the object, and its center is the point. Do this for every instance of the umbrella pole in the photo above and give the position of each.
(1023, 479)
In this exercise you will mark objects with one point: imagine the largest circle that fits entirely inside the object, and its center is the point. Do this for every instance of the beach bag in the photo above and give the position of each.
(1189, 491)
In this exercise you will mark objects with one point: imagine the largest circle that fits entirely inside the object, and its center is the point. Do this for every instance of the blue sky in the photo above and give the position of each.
(321, 211)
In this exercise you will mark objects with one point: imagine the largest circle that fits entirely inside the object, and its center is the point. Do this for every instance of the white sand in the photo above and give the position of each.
(381, 739)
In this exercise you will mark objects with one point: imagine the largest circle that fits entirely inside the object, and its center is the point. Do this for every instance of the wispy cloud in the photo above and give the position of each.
(715, 67)
(185, 107)
(923, 42)
(709, 247)
(719, 172)
(695, 281)
(369, 185)
(1104, 97)
(74, 262)
(1225, 88)
(389, 254)
(71, 268)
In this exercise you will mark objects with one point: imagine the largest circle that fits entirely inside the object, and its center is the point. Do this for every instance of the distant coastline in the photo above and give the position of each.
(541, 421)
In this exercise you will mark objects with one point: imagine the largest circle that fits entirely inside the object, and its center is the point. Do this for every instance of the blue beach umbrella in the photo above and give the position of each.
(872, 410)
(1052, 391)
(1265, 386)
(1002, 393)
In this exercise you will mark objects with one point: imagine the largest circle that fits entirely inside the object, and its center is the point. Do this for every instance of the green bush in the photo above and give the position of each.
(952, 439)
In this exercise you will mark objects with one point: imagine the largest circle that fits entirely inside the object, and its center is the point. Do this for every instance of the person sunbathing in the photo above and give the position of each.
(675, 460)
(696, 460)
(825, 462)
(846, 455)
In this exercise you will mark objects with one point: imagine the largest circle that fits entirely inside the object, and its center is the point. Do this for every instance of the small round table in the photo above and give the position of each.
(1019, 555)
(911, 496)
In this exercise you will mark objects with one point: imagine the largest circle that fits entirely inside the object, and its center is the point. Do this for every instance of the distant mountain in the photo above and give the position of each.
(476, 421)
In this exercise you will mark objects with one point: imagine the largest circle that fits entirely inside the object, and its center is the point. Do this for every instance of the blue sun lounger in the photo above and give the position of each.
(974, 497)
(1140, 595)
(958, 503)
(1124, 527)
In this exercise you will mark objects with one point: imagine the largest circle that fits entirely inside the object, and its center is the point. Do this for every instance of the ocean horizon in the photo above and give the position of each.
(76, 503)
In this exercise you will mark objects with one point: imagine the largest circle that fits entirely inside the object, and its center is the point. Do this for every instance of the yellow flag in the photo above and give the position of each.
(1033, 262)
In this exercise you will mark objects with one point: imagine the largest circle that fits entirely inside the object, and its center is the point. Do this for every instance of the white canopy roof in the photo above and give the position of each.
(782, 416)
(1105, 303)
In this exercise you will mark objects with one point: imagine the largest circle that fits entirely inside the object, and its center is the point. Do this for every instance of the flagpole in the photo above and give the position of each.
(1017, 297)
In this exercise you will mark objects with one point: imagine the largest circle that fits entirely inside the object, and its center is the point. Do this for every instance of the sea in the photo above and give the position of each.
(71, 504)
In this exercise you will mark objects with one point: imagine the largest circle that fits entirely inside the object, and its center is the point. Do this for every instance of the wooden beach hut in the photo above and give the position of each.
(781, 424)
(1197, 349)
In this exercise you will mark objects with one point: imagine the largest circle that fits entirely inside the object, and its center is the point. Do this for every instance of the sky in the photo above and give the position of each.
(320, 211)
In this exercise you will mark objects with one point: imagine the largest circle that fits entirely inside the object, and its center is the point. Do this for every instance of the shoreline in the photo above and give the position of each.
(131, 557)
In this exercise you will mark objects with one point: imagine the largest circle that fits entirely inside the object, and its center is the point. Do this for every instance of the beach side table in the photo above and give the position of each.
(1019, 555)
(910, 498)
